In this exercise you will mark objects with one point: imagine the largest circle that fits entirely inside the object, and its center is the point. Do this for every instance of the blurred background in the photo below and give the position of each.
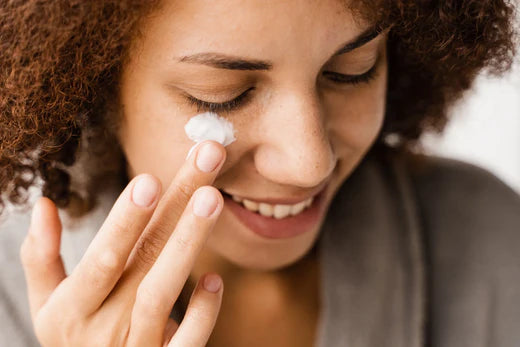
(485, 128)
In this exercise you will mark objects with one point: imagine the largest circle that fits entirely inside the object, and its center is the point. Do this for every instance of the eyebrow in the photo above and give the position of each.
(223, 61)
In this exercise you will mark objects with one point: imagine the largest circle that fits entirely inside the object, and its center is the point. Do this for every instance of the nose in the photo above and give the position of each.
(295, 148)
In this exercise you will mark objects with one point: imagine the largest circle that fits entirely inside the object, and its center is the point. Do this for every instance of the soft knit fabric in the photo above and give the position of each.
(410, 255)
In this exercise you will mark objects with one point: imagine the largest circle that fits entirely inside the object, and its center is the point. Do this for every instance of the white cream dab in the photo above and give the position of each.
(209, 126)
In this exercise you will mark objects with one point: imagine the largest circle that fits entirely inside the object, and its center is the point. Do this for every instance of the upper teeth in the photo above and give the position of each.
(276, 211)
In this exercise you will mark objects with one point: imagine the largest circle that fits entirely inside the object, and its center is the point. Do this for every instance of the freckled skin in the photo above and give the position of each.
(298, 129)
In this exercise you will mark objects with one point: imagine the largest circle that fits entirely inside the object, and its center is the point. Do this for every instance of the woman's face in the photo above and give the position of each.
(308, 118)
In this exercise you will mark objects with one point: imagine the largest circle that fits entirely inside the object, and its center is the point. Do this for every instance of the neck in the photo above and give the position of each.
(291, 280)
(209, 261)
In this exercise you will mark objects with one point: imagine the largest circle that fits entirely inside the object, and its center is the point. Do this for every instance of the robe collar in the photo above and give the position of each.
(371, 259)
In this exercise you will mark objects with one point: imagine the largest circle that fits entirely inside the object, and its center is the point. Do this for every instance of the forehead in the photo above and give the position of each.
(252, 26)
(249, 9)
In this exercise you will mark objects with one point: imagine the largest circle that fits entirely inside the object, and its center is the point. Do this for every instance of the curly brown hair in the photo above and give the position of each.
(60, 63)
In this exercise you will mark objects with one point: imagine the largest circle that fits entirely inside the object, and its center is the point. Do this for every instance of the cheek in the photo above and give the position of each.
(152, 132)
(358, 116)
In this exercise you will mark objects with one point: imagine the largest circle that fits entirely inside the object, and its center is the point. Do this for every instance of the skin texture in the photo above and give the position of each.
(298, 130)
(59, 103)
(118, 295)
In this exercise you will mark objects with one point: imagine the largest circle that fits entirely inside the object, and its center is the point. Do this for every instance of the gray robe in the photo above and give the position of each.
(410, 255)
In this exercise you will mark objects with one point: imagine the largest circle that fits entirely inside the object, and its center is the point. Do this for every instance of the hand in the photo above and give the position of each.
(123, 289)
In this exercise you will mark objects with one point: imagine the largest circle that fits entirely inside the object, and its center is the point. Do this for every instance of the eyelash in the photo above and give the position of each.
(353, 79)
(227, 106)
(241, 100)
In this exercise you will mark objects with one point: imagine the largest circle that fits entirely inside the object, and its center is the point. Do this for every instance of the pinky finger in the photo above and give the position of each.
(201, 314)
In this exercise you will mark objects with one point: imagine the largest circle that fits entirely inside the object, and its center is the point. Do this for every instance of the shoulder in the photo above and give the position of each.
(456, 176)
(466, 208)
(471, 228)
(456, 195)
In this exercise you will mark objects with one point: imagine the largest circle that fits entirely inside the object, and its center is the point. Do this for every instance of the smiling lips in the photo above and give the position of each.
(277, 221)
(277, 211)
(277, 208)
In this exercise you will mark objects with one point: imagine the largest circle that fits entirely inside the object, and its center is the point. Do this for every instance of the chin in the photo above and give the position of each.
(237, 245)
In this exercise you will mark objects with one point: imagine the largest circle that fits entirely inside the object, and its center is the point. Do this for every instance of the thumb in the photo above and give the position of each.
(40, 254)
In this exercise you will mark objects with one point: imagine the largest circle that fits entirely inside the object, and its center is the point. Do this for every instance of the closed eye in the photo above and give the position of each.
(228, 106)
(242, 100)
(351, 79)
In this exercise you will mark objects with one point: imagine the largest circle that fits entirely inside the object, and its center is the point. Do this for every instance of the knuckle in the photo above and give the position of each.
(183, 243)
(147, 249)
(185, 189)
(123, 228)
(107, 262)
(119, 227)
(102, 267)
(148, 302)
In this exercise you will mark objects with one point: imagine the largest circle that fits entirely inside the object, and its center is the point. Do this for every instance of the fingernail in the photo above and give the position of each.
(205, 203)
(145, 191)
(212, 283)
(208, 157)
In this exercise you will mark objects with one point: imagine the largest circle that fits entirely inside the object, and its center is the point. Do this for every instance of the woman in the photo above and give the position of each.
(395, 249)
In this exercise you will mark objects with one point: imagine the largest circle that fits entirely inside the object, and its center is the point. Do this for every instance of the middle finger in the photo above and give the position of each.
(200, 169)
(162, 285)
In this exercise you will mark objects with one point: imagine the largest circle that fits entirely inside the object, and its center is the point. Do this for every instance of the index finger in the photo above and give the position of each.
(200, 169)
